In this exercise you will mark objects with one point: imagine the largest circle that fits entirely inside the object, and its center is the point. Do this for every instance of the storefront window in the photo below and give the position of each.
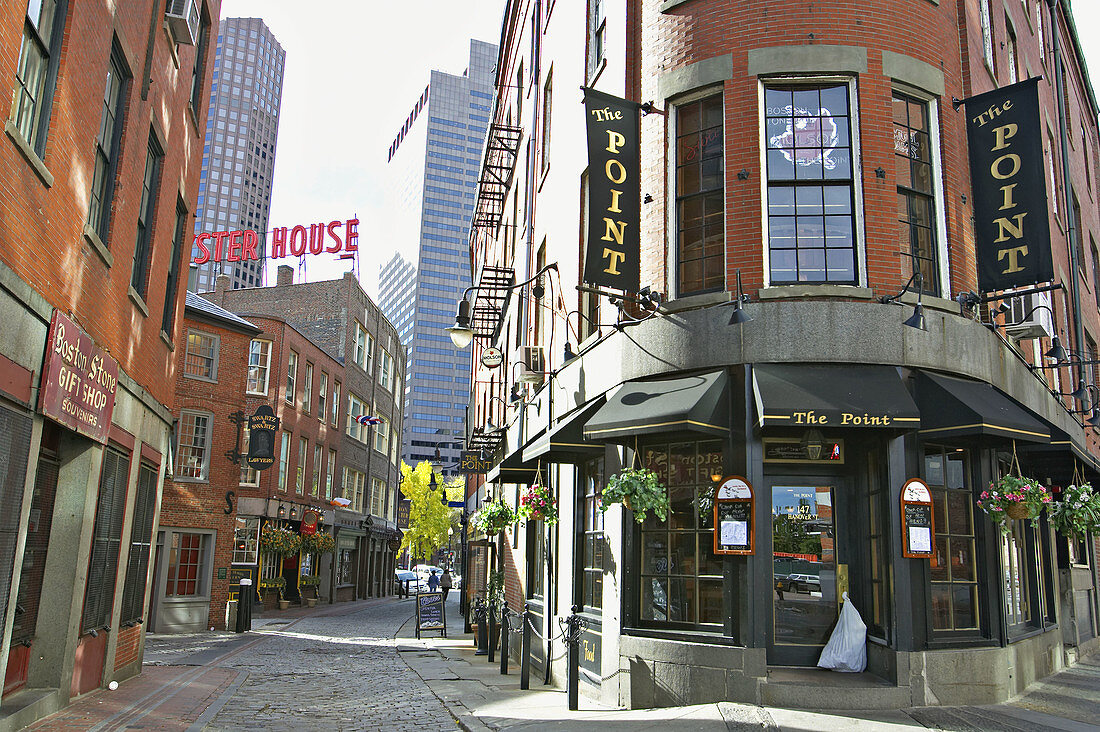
(953, 567)
(345, 566)
(186, 558)
(877, 542)
(681, 579)
(592, 551)
(536, 580)
(246, 540)
(1014, 565)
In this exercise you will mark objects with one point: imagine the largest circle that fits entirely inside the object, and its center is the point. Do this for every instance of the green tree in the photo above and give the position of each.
(429, 519)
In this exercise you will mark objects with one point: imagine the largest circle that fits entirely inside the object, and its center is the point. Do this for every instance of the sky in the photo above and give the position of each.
(353, 73)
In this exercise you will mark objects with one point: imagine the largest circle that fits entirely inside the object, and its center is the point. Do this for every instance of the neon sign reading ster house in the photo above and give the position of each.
(295, 241)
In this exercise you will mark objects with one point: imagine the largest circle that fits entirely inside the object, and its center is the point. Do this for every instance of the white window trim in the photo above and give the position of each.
(857, 172)
(985, 20)
(213, 379)
(246, 437)
(267, 368)
(205, 475)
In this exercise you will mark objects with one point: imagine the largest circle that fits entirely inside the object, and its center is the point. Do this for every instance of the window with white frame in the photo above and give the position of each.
(357, 407)
(987, 35)
(186, 564)
(354, 487)
(700, 201)
(315, 486)
(811, 198)
(36, 73)
(544, 136)
(300, 478)
(377, 497)
(385, 370)
(284, 461)
(322, 397)
(246, 540)
(914, 158)
(336, 404)
(382, 436)
(194, 445)
(249, 475)
(597, 35)
(259, 365)
(307, 389)
(201, 360)
(291, 377)
(364, 348)
(330, 470)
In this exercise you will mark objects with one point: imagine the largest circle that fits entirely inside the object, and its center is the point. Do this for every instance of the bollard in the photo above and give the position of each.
(504, 632)
(574, 625)
(525, 650)
(482, 629)
(244, 606)
(492, 633)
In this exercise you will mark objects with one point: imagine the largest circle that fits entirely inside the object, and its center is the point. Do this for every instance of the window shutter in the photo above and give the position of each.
(141, 536)
(99, 594)
(15, 440)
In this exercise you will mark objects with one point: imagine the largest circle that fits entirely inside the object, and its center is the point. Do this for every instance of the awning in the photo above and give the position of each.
(688, 404)
(513, 468)
(564, 442)
(1060, 458)
(790, 395)
(953, 407)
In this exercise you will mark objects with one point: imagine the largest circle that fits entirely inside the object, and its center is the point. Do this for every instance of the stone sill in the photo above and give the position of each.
(780, 292)
(29, 154)
(97, 244)
(668, 5)
(139, 301)
(692, 302)
(930, 302)
(167, 341)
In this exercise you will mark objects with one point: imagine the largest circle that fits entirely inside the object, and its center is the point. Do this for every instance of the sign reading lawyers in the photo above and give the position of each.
(611, 259)
(262, 427)
(1012, 234)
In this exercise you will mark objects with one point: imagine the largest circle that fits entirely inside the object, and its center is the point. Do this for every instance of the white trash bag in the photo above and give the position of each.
(847, 646)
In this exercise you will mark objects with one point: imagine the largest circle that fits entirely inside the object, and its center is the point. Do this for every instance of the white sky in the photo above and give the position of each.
(352, 75)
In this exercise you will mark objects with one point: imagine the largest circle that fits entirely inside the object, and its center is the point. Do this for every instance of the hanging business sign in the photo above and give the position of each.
(733, 517)
(404, 505)
(491, 357)
(1011, 231)
(79, 380)
(262, 427)
(918, 524)
(472, 462)
(613, 251)
(335, 237)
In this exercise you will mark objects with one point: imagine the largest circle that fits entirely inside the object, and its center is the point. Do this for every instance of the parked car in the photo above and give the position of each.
(803, 583)
(413, 580)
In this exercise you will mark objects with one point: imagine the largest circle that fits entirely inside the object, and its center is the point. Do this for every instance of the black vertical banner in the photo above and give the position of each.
(611, 259)
(1011, 231)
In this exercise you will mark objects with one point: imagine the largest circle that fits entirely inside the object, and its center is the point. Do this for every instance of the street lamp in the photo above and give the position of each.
(461, 333)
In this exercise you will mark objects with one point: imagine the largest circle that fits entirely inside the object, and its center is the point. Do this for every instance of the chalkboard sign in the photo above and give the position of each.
(430, 614)
(733, 517)
(918, 525)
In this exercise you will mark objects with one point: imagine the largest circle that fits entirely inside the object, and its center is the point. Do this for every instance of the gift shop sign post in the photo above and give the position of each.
(79, 380)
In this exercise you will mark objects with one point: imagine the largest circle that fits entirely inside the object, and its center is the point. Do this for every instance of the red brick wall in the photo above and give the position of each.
(41, 227)
(126, 652)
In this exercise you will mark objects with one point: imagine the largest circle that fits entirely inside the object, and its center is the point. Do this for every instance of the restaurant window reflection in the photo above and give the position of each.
(954, 574)
(593, 537)
(681, 578)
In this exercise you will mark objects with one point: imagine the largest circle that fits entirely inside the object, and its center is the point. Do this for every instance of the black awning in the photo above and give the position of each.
(1060, 459)
(954, 407)
(513, 468)
(688, 404)
(564, 442)
(808, 395)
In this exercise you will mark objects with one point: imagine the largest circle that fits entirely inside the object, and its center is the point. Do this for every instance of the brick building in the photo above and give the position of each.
(793, 159)
(98, 163)
(339, 317)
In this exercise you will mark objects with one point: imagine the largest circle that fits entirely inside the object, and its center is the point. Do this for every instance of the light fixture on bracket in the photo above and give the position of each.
(740, 315)
(812, 443)
(461, 333)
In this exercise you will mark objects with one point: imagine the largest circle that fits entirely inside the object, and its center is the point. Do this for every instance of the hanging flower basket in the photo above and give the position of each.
(536, 504)
(1013, 498)
(493, 517)
(309, 580)
(639, 490)
(1078, 513)
(318, 544)
(279, 542)
(273, 583)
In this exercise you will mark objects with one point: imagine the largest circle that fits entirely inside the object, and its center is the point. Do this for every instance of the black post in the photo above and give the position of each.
(525, 650)
(244, 606)
(575, 624)
(492, 632)
(504, 632)
(463, 603)
(482, 629)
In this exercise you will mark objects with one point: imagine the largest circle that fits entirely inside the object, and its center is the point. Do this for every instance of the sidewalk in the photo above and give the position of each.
(480, 698)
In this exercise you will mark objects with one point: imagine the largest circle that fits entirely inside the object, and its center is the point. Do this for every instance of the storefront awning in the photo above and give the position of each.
(954, 407)
(564, 442)
(690, 404)
(789, 395)
(513, 468)
(1060, 459)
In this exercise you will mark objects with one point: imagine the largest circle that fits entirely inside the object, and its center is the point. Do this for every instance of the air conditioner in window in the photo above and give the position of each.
(1029, 316)
(532, 368)
(183, 21)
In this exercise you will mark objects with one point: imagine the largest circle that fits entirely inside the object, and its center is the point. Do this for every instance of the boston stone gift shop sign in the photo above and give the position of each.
(79, 380)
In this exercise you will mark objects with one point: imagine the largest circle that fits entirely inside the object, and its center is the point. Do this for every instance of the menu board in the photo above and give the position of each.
(429, 613)
(918, 529)
(733, 517)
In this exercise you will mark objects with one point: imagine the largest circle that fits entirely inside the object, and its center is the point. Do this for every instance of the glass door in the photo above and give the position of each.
(807, 575)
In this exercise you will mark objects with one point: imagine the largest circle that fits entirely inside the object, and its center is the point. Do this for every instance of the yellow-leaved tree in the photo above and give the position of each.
(429, 519)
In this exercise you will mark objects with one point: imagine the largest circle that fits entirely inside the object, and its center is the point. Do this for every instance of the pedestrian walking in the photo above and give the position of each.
(433, 582)
(445, 583)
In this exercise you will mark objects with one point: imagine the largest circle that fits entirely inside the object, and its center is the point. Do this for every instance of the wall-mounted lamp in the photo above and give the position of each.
(740, 315)
(461, 334)
(516, 394)
(916, 320)
(282, 511)
(812, 443)
(715, 474)
(1056, 351)
(293, 512)
(568, 355)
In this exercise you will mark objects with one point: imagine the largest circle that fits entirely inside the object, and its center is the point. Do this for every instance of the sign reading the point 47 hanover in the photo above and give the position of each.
(335, 237)
(1011, 231)
(79, 380)
(613, 250)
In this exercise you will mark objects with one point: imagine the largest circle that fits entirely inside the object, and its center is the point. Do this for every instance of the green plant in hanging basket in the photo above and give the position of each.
(639, 490)
(536, 504)
(493, 517)
(1078, 513)
(273, 583)
(309, 580)
(1012, 498)
(279, 542)
(318, 544)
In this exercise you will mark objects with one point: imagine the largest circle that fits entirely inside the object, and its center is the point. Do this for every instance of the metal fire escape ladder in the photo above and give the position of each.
(491, 301)
(497, 167)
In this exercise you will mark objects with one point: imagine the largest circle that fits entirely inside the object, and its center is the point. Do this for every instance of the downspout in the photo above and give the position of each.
(1067, 186)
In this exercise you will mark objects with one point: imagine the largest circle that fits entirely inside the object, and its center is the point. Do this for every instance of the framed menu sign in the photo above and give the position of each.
(918, 524)
(734, 531)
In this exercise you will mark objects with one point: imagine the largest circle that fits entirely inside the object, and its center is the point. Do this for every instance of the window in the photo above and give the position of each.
(171, 287)
(249, 475)
(1040, 33)
(291, 377)
(357, 407)
(1055, 193)
(987, 35)
(592, 551)
(345, 566)
(315, 487)
(36, 74)
(811, 224)
(143, 248)
(953, 568)
(385, 370)
(322, 396)
(259, 363)
(300, 480)
(194, 445)
(364, 349)
(106, 146)
(876, 549)
(681, 579)
(284, 461)
(377, 497)
(354, 486)
(307, 390)
(1079, 243)
(198, 70)
(536, 568)
(336, 404)
(382, 436)
(99, 593)
(201, 361)
(186, 557)
(1013, 53)
(141, 538)
(916, 202)
(597, 36)
(330, 470)
(246, 540)
(700, 205)
(1095, 270)
(547, 97)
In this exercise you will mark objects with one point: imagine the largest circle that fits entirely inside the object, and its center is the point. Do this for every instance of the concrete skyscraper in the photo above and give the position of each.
(437, 158)
(239, 152)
